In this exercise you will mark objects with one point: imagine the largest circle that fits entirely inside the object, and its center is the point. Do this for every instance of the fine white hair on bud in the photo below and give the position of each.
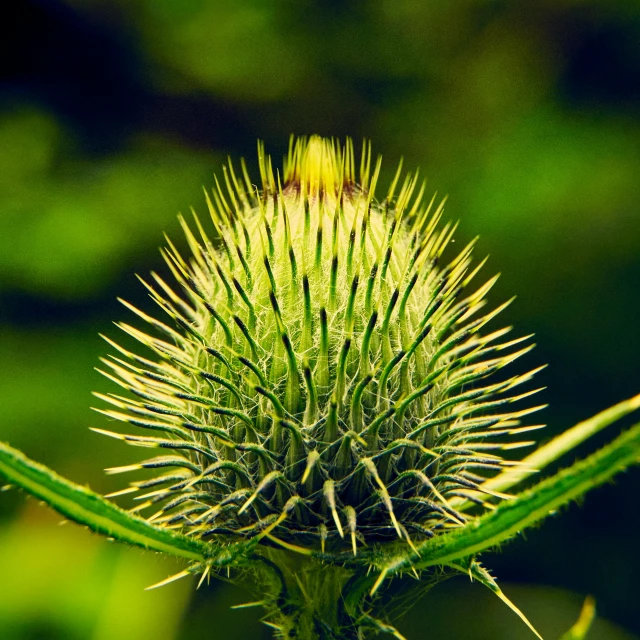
(321, 378)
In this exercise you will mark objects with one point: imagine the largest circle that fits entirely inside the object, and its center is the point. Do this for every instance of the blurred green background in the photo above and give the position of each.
(115, 113)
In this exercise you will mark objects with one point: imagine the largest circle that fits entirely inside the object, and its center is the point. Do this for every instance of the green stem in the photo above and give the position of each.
(305, 597)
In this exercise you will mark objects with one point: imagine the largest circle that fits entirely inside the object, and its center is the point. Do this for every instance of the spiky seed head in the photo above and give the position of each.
(319, 379)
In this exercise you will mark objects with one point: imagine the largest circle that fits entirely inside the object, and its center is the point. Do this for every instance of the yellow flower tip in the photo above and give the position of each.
(319, 166)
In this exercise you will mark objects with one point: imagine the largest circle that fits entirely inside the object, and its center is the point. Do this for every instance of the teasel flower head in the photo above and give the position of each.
(319, 380)
(319, 377)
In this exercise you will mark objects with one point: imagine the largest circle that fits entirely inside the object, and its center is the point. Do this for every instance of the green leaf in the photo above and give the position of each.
(581, 627)
(90, 509)
(527, 509)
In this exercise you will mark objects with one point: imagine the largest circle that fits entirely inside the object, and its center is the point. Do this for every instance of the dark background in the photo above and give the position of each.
(115, 113)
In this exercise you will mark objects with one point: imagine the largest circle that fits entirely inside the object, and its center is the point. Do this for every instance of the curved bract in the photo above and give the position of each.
(321, 376)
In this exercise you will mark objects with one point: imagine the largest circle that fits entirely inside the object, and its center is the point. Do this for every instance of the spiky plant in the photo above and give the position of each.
(329, 398)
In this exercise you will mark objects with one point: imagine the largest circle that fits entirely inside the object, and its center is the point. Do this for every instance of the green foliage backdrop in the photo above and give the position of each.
(114, 114)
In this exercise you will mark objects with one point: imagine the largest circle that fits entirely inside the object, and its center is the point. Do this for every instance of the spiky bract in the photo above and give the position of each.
(320, 380)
